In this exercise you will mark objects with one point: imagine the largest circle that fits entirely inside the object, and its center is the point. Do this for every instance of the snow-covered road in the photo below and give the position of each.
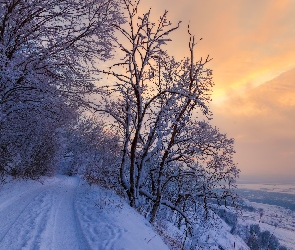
(42, 218)
(62, 214)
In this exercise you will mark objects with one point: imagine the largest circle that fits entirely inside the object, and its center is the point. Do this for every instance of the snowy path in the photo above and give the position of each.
(63, 214)
(42, 218)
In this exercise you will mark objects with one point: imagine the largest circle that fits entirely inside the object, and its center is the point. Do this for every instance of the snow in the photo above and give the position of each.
(221, 236)
(66, 213)
(121, 227)
(278, 220)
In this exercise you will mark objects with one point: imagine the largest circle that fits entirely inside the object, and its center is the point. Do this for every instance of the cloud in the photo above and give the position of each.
(250, 41)
(262, 122)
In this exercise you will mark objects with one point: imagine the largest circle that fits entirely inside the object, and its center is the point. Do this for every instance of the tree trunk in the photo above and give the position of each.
(155, 209)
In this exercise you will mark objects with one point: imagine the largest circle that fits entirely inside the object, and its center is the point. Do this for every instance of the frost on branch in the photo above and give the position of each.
(172, 162)
(49, 51)
(52, 46)
(92, 151)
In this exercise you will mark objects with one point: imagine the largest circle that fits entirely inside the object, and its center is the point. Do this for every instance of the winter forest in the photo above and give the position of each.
(88, 89)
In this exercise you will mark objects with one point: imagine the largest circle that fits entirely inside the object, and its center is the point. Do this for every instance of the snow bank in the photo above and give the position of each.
(104, 214)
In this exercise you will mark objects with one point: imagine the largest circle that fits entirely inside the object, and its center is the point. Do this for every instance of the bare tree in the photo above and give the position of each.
(170, 156)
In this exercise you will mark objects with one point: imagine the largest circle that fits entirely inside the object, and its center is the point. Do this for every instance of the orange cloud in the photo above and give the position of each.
(262, 122)
(250, 41)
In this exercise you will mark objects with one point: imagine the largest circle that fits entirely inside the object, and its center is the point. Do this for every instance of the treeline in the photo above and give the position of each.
(48, 51)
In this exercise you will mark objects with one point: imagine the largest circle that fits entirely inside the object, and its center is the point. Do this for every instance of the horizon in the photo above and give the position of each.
(266, 180)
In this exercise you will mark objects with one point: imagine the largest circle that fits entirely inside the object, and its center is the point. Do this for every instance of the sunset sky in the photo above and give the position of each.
(252, 44)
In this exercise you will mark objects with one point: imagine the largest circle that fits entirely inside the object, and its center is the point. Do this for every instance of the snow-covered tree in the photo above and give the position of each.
(92, 150)
(30, 139)
(255, 238)
(171, 156)
(51, 46)
(49, 51)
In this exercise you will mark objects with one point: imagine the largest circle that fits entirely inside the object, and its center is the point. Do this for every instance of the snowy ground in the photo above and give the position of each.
(63, 213)
(276, 201)
(277, 220)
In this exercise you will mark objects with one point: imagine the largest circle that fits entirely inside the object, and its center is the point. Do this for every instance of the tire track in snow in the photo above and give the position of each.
(23, 231)
(12, 211)
(68, 233)
(43, 218)
(7, 198)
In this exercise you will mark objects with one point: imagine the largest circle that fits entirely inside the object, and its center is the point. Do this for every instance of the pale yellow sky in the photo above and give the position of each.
(252, 44)
(251, 41)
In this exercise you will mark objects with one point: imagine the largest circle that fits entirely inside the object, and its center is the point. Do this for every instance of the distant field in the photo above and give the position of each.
(277, 203)
(271, 197)
(278, 188)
